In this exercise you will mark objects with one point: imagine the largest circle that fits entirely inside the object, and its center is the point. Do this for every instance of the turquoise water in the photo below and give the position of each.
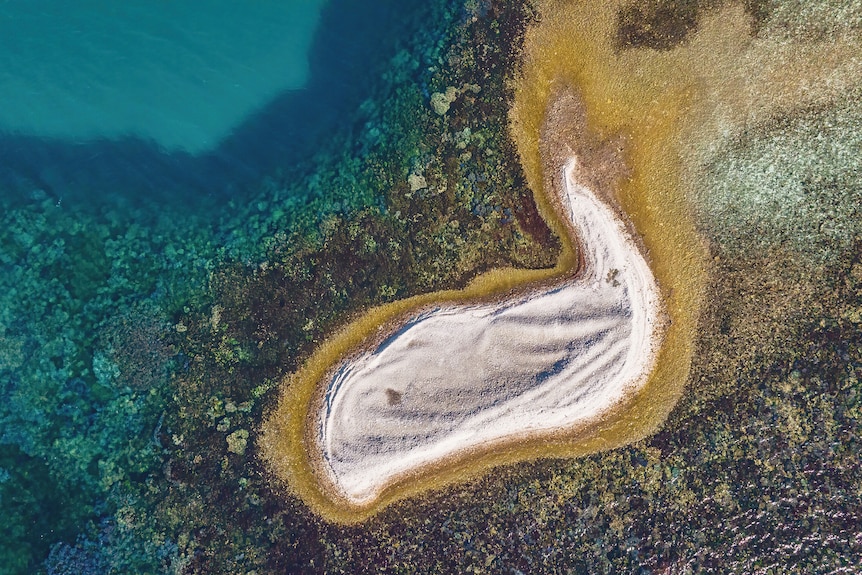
(180, 73)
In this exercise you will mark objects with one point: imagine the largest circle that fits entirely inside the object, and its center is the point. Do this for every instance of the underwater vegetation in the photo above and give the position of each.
(140, 352)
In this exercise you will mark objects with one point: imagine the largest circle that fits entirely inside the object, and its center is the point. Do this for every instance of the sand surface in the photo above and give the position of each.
(461, 377)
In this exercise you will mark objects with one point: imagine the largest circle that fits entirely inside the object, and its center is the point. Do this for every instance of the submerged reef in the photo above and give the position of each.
(140, 351)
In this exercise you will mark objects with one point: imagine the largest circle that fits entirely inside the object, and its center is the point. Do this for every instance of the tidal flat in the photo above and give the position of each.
(144, 346)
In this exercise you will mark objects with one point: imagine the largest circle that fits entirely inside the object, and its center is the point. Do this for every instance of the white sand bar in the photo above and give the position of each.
(461, 377)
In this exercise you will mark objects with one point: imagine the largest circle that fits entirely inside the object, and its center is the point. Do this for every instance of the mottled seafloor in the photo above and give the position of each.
(138, 358)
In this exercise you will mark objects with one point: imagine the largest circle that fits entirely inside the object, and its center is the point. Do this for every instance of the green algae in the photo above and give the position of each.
(83, 369)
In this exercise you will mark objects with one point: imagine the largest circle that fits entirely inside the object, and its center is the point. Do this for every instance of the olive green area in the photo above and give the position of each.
(665, 24)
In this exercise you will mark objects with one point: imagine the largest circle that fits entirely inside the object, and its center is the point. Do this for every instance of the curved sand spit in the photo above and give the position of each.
(459, 377)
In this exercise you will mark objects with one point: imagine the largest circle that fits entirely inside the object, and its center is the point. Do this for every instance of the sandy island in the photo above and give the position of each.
(454, 379)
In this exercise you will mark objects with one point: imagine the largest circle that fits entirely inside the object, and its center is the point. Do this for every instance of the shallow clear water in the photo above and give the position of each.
(176, 103)
(178, 73)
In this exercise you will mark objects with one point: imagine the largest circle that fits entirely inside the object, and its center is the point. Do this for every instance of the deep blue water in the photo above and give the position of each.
(352, 41)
